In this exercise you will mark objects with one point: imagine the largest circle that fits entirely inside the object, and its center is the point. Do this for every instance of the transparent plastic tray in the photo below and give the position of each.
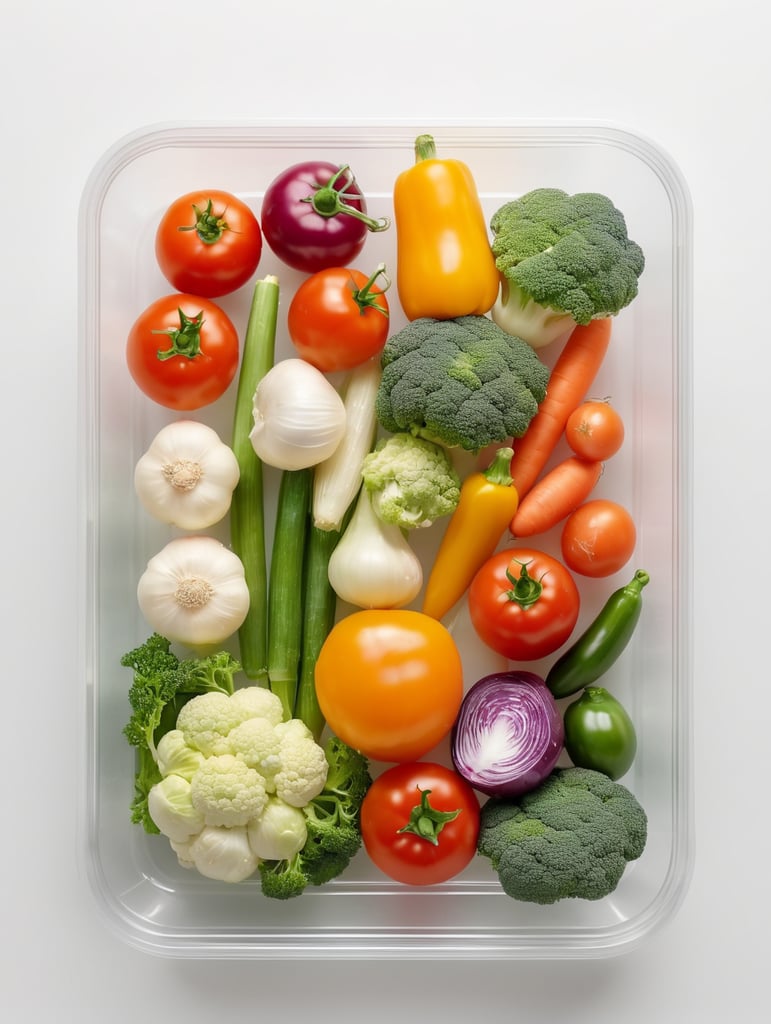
(144, 895)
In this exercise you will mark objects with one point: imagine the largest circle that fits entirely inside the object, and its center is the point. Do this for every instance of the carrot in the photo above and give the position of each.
(555, 496)
(570, 379)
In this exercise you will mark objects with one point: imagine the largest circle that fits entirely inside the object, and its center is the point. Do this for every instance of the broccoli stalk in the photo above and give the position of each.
(332, 820)
(162, 684)
(563, 260)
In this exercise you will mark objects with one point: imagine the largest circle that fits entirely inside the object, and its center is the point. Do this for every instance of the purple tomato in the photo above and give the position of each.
(314, 216)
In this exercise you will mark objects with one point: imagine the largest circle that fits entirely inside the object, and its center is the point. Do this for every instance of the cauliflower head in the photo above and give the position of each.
(234, 777)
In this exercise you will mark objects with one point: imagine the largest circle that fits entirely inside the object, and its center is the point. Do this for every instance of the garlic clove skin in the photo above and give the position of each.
(299, 417)
(187, 476)
(194, 591)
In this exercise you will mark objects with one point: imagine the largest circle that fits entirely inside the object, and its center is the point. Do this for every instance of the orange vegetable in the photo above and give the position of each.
(488, 500)
(555, 496)
(444, 264)
(570, 379)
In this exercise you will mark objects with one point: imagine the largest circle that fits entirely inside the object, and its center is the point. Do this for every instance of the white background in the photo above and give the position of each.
(78, 76)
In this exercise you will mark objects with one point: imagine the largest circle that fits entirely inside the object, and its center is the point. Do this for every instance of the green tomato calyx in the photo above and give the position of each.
(185, 339)
(525, 590)
(426, 821)
(210, 227)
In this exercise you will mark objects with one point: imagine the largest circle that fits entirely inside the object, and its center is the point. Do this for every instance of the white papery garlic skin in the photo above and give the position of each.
(194, 591)
(187, 476)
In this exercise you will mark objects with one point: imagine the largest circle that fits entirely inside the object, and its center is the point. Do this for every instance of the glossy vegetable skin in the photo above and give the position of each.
(599, 734)
(208, 243)
(420, 823)
(598, 538)
(488, 500)
(602, 643)
(595, 430)
(389, 683)
(338, 318)
(182, 351)
(314, 216)
(523, 603)
(445, 267)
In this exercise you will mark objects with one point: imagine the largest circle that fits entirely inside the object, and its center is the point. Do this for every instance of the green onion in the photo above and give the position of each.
(247, 513)
(285, 588)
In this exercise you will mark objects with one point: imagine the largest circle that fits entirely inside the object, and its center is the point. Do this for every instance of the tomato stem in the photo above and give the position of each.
(209, 226)
(426, 821)
(327, 201)
(365, 298)
(525, 590)
(185, 339)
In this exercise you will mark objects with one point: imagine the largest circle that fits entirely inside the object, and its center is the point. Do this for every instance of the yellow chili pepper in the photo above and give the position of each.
(444, 265)
(488, 501)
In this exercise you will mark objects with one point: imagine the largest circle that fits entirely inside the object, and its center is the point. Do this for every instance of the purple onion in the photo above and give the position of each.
(508, 734)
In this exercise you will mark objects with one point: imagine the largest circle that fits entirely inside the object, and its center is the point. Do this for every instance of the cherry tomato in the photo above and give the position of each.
(598, 538)
(208, 243)
(314, 216)
(523, 603)
(338, 318)
(594, 430)
(389, 683)
(599, 734)
(182, 351)
(420, 823)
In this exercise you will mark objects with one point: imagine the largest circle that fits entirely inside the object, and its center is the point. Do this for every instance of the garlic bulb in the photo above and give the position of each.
(299, 418)
(194, 591)
(372, 565)
(187, 476)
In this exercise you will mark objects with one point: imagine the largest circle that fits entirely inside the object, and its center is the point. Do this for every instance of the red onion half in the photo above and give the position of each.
(508, 734)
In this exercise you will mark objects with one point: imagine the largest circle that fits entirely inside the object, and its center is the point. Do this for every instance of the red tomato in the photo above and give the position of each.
(208, 243)
(523, 604)
(389, 683)
(182, 351)
(598, 538)
(594, 430)
(420, 823)
(338, 318)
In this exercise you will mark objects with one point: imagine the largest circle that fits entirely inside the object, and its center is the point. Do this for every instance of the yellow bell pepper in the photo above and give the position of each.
(445, 267)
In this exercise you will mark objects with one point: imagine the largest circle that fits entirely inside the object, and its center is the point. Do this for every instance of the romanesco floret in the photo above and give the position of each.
(462, 383)
(564, 260)
(411, 481)
(570, 837)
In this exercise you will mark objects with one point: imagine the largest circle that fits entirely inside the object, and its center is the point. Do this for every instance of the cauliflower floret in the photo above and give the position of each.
(206, 720)
(226, 791)
(175, 757)
(170, 805)
(257, 742)
(295, 729)
(303, 770)
(279, 833)
(223, 854)
(258, 702)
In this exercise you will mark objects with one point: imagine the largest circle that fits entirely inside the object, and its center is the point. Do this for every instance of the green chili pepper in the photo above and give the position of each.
(603, 641)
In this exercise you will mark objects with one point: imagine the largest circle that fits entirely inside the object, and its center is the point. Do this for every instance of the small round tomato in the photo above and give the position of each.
(208, 243)
(182, 351)
(389, 683)
(598, 538)
(523, 603)
(599, 734)
(420, 823)
(338, 318)
(594, 430)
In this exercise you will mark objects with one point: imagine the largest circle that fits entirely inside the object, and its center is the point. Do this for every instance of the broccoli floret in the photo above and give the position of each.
(571, 837)
(162, 684)
(462, 382)
(411, 481)
(564, 260)
(332, 819)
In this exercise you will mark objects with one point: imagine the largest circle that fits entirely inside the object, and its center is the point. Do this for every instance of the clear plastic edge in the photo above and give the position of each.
(360, 944)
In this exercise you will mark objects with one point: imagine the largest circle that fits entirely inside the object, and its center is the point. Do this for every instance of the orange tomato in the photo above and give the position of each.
(598, 538)
(390, 683)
